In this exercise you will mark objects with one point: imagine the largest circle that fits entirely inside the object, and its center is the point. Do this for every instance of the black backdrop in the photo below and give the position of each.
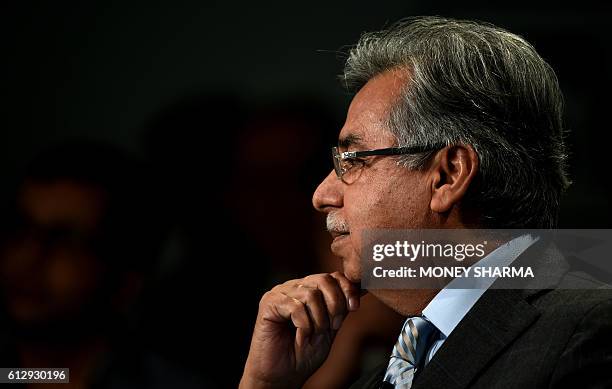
(173, 81)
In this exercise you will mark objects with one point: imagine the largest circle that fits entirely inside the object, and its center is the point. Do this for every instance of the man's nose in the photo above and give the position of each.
(329, 194)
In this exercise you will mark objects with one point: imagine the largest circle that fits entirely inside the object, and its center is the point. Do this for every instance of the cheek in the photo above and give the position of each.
(365, 207)
(388, 199)
(391, 200)
(72, 277)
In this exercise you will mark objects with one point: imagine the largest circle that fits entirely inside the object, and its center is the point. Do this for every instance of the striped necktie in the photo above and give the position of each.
(409, 352)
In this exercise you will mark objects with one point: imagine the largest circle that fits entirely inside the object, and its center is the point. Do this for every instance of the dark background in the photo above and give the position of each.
(205, 90)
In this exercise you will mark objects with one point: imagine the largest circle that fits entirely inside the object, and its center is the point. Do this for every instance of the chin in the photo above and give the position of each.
(351, 268)
(353, 277)
(406, 302)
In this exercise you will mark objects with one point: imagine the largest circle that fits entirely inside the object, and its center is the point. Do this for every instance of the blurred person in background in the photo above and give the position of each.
(275, 163)
(78, 244)
(190, 144)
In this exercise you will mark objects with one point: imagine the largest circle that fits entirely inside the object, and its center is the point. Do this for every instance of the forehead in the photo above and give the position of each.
(366, 119)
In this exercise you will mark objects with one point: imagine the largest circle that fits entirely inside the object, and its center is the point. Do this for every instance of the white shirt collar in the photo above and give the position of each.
(451, 305)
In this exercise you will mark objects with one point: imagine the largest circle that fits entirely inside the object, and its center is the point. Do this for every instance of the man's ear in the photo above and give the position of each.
(452, 171)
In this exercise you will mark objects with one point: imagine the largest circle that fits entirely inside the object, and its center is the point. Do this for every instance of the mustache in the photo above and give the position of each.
(335, 223)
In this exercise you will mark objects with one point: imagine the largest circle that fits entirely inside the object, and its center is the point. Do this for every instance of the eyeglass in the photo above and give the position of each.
(348, 164)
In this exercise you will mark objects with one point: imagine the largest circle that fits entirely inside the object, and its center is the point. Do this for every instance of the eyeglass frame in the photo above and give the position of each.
(337, 156)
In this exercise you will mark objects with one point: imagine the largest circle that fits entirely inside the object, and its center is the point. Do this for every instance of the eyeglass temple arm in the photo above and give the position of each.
(389, 151)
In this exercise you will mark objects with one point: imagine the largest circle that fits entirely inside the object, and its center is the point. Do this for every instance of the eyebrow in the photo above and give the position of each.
(350, 140)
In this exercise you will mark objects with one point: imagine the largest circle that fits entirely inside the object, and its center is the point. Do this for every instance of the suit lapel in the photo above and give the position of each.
(495, 321)
(498, 318)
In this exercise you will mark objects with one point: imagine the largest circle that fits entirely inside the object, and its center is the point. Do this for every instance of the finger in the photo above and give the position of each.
(302, 338)
(312, 298)
(350, 290)
(335, 300)
(295, 311)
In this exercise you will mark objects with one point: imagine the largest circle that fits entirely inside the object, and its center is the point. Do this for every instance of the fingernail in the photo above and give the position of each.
(337, 322)
(353, 303)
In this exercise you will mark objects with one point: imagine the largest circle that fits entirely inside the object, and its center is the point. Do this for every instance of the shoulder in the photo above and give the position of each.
(585, 359)
(575, 296)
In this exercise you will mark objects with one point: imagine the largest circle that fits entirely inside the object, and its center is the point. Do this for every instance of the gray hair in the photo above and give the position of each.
(476, 84)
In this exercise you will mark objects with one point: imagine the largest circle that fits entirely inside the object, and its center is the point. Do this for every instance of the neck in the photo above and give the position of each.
(406, 302)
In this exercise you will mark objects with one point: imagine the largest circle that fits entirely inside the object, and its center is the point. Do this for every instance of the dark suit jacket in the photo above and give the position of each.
(529, 338)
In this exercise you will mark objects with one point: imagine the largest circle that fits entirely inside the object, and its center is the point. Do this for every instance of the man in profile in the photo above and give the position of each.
(455, 124)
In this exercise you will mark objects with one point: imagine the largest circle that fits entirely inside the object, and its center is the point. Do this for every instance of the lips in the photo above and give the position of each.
(337, 234)
(338, 239)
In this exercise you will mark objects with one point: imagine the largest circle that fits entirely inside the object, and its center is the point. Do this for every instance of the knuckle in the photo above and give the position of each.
(287, 283)
(295, 306)
(313, 292)
(267, 296)
(310, 278)
(266, 299)
(313, 295)
(276, 288)
(326, 280)
(314, 277)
